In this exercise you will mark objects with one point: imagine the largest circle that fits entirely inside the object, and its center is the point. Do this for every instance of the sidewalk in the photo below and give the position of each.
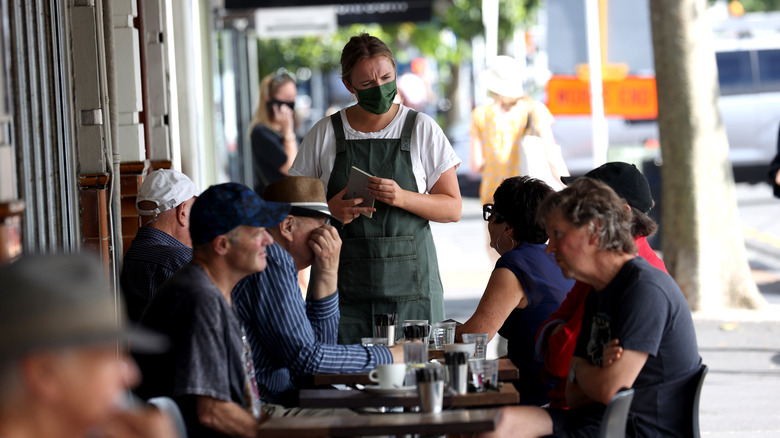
(741, 395)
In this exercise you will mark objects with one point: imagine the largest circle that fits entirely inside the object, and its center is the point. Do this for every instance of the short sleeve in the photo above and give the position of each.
(200, 360)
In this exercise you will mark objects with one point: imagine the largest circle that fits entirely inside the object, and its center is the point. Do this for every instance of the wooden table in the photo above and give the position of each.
(458, 421)
(506, 371)
(334, 398)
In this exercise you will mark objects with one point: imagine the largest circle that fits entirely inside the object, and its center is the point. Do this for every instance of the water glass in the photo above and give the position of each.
(415, 352)
(442, 333)
(481, 340)
(483, 374)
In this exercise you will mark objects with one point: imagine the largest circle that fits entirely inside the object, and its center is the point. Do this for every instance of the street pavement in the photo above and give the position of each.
(741, 394)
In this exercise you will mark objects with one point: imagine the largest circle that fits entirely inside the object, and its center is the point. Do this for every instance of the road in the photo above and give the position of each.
(741, 395)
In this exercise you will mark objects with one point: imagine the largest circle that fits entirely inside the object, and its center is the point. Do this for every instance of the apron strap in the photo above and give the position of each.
(338, 128)
(406, 132)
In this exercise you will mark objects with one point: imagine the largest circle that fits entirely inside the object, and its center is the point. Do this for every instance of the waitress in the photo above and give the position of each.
(388, 262)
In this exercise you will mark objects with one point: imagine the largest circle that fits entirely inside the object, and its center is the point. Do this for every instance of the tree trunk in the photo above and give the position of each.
(703, 245)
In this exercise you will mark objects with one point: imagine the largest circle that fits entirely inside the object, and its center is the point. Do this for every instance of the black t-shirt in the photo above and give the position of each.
(268, 155)
(205, 357)
(645, 309)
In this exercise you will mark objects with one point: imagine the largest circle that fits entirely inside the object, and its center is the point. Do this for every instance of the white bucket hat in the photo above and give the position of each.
(165, 187)
(504, 77)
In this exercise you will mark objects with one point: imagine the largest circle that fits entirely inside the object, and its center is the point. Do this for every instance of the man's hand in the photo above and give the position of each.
(326, 245)
(612, 353)
(346, 210)
(397, 351)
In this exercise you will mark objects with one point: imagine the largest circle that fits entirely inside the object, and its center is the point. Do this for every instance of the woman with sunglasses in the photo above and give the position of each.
(526, 285)
(388, 261)
(274, 144)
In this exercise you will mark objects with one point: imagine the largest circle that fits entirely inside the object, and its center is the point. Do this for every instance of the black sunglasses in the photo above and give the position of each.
(488, 211)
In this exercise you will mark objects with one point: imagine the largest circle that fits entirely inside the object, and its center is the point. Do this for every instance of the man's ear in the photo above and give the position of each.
(287, 227)
(38, 373)
(182, 214)
(594, 228)
(221, 244)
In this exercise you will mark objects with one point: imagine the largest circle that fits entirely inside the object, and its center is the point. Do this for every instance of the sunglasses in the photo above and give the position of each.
(488, 211)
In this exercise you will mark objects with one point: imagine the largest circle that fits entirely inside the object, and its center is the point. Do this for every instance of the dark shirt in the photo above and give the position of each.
(644, 308)
(268, 155)
(153, 257)
(205, 357)
(545, 288)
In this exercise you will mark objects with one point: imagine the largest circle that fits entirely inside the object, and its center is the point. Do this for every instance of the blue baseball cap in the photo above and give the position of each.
(223, 207)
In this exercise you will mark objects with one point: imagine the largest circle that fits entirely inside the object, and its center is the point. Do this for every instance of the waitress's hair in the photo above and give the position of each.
(268, 87)
(516, 200)
(360, 47)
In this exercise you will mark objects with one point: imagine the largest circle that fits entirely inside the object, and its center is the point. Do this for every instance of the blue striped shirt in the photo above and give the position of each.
(153, 257)
(290, 337)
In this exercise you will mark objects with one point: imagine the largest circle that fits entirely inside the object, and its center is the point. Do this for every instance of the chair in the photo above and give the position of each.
(696, 397)
(613, 423)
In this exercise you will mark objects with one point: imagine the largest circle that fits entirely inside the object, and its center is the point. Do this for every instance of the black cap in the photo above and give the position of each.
(626, 180)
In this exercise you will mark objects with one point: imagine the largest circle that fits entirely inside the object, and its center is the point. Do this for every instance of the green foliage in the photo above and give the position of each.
(761, 5)
(446, 38)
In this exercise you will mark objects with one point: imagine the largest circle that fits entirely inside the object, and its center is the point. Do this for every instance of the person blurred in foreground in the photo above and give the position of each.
(558, 334)
(637, 327)
(388, 261)
(208, 369)
(162, 245)
(274, 144)
(61, 374)
(291, 337)
(525, 286)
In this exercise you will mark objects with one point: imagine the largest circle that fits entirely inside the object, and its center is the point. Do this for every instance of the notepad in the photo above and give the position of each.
(357, 187)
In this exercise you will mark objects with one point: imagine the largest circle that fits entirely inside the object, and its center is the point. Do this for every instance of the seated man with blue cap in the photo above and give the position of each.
(208, 370)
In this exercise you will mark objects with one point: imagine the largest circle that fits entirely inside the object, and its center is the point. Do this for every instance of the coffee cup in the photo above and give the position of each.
(389, 375)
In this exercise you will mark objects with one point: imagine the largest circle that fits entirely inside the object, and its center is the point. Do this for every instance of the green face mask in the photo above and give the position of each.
(377, 100)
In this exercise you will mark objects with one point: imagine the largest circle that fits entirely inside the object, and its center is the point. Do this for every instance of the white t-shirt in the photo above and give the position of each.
(430, 149)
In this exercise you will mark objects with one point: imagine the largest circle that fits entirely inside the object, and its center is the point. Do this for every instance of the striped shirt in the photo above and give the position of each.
(153, 257)
(290, 337)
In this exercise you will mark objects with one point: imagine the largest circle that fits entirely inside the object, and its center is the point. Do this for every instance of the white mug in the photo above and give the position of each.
(389, 375)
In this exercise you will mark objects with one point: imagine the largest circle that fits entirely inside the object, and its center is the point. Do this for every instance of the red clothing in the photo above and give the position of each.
(559, 348)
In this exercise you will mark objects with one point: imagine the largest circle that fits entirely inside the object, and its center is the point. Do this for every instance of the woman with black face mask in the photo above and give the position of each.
(388, 261)
(274, 144)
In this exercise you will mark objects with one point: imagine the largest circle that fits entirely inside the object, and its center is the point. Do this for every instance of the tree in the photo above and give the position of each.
(703, 247)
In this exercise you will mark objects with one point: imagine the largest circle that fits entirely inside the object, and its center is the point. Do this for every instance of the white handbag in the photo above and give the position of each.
(537, 158)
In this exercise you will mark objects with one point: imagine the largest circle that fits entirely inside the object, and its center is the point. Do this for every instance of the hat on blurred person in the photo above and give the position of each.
(505, 77)
(626, 180)
(225, 206)
(56, 301)
(306, 195)
(167, 188)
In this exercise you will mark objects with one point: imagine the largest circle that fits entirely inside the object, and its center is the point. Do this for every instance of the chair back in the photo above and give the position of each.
(696, 397)
(613, 423)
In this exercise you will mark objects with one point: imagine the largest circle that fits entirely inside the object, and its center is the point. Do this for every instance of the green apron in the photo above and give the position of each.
(388, 262)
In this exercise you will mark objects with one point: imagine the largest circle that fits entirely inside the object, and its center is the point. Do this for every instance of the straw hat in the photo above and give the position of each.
(505, 77)
(304, 194)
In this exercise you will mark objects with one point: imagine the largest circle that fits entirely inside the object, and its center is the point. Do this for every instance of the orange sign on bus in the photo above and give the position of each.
(632, 98)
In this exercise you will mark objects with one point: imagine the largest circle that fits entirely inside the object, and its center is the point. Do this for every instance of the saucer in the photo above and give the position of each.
(403, 390)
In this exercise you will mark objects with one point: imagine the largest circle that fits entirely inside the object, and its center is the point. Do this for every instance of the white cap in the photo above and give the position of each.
(505, 77)
(165, 187)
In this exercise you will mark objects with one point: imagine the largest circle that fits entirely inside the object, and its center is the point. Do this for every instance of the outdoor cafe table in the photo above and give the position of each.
(335, 398)
(457, 421)
(506, 371)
